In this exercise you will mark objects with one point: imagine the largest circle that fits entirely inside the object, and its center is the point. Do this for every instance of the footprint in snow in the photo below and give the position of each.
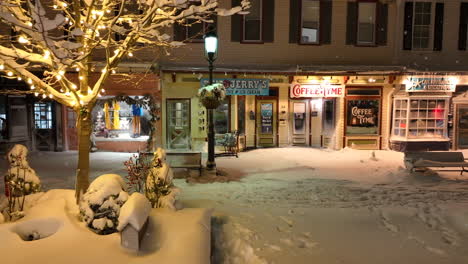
(287, 221)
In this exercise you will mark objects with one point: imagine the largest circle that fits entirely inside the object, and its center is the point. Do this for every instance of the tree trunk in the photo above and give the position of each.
(84, 125)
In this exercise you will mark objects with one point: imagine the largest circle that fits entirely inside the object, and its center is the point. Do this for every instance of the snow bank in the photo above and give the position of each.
(134, 212)
(172, 237)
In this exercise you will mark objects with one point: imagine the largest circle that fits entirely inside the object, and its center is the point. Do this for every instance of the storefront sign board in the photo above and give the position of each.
(316, 90)
(241, 86)
(416, 84)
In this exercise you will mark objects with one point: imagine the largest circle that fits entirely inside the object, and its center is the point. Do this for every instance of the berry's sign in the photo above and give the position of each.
(316, 90)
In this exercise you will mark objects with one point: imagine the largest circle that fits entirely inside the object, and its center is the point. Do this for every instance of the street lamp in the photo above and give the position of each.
(211, 52)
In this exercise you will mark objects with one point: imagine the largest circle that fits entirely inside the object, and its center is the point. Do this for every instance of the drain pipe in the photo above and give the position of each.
(389, 115)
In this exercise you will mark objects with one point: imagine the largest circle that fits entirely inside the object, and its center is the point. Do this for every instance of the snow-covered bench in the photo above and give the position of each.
(441, 159)
(185, 159)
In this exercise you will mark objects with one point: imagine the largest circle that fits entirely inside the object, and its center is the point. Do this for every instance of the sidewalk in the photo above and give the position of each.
(304, 205)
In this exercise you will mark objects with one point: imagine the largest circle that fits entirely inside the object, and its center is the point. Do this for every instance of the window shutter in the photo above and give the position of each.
(179, 32)
(325, 21)
(294, 21)
(382, 22)
(268, 20)
(438, 26)
(463, 26)
(351, 25)
(236, 23)
(408, 26)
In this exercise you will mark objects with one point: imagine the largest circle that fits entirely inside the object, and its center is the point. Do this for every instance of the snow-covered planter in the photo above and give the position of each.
(100, 205)
(159, 188)
(212, 95)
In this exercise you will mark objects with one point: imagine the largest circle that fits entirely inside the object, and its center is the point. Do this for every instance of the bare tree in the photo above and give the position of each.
(90, 28)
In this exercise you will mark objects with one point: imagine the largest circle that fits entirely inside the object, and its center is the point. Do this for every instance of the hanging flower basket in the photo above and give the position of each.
(212, 95)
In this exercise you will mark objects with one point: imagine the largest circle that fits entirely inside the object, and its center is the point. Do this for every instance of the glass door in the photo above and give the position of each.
(266, 123)
(462, 122)
(300, 123)
(178, 123)
(328, 121)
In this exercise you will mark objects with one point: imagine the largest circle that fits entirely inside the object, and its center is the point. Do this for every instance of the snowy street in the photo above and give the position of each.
(303, 205)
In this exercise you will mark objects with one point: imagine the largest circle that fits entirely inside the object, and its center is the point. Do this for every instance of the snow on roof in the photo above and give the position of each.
(104, 186)
(134, 212)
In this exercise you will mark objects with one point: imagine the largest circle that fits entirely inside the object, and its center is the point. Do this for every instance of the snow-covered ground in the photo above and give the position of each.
(303, 205)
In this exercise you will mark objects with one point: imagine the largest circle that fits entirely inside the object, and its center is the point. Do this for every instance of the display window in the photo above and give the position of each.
(117, 119)
(420, 118)
(363, 111)
(221, 116)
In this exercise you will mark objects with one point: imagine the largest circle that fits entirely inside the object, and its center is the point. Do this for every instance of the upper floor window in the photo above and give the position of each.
(252, 24)
(310, 21)
(366, 23)
(257, 26)
(423, 26)
(192, 30)
(463, 32)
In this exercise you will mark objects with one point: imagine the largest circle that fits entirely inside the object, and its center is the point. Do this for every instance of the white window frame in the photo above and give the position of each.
(302, 21)
(261, 25)
(409, 116)
(431, 26)
(375, 25)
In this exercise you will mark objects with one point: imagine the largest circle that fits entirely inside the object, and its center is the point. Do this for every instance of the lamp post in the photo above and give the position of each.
(211, 52)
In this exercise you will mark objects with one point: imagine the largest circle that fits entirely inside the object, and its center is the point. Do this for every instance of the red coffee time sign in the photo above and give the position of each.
(316, 90)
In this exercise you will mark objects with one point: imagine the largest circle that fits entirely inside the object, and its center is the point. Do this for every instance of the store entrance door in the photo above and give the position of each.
(266, 123)
(462, 122)
(300, 123)
(328, 122)
(178, 123)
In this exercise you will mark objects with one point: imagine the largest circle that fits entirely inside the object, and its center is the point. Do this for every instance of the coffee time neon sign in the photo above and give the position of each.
(316, 90)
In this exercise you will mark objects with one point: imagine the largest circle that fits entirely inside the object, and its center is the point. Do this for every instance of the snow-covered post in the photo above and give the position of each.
(88, 30)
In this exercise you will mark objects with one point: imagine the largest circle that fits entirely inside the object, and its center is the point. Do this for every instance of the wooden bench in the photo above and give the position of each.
(185, 159)
(441, 159)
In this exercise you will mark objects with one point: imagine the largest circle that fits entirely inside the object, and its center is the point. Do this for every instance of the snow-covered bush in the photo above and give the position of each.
(100, 205)
(212, 95)
(159, 188)
(20, 180)
(137, 168)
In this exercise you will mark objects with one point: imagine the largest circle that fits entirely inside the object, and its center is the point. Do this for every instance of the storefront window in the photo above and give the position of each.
(3, 118)
(117, 119)
(241, 114)
(43, 115)
(221, 117)
(420, 118)
(362, 116)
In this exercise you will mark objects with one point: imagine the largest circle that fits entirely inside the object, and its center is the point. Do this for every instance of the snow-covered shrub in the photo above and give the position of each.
(159, 188)
(100, 205)
(20, 180)
(212, 95)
